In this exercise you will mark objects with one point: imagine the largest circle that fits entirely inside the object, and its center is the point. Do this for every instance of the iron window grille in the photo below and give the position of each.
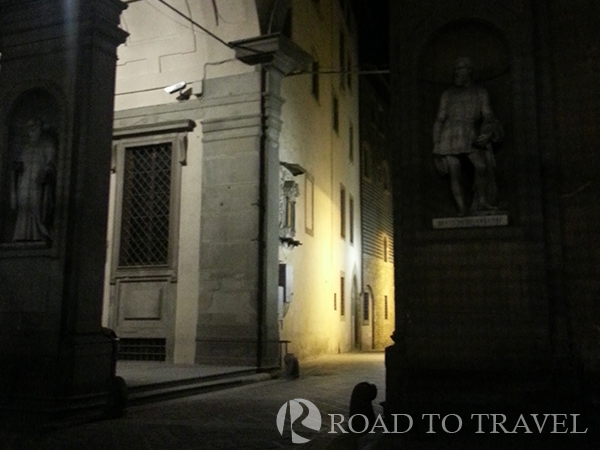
(142, 349)
(146, 205)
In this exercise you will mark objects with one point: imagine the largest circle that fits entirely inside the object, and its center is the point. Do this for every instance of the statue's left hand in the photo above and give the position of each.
(483, 139)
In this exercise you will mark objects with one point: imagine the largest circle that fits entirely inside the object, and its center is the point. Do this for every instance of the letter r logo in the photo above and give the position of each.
(312, 420)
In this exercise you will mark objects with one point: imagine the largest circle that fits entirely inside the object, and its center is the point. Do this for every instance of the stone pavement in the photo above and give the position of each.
(149, 381)
(238, 418)
(141, 373)
(245, 418)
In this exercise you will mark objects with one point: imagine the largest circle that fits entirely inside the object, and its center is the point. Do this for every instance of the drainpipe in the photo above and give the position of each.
(262, 226)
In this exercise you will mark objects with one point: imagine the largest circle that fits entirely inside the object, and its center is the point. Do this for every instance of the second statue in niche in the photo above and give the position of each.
(465, 130)
(33, 184)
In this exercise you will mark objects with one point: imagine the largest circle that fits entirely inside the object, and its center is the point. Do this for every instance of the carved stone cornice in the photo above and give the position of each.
(274, 50)
(22, 23)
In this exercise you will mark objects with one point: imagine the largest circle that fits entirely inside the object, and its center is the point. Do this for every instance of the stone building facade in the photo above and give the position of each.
(377, 212)
(235, 204)
(57, 98)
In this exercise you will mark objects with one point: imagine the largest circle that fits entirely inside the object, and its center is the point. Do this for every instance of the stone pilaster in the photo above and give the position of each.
(58, 67)
(254, 339)
(278, 57)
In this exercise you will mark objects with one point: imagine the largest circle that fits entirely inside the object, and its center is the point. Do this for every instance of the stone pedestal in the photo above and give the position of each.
(58, 69)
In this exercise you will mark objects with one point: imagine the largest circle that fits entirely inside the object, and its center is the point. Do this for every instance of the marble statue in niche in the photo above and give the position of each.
(289, 192)
(464, 131)
(33, 184)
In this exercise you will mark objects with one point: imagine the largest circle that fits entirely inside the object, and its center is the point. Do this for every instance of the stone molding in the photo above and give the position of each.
(173, 126)
(22, 22)
(231, 128)
(275, 50)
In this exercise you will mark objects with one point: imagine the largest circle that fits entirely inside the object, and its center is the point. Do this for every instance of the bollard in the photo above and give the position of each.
(292, 367)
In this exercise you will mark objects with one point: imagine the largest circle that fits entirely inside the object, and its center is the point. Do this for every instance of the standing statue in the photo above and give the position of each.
(465, 128)
(33, 184)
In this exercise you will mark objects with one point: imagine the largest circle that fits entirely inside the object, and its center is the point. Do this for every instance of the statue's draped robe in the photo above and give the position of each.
(461, 110)
(33, 190)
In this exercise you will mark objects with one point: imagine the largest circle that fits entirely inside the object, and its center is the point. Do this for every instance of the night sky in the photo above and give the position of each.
(372, 17)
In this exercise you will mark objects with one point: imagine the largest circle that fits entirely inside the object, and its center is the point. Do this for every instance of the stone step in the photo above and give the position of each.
(155, 392)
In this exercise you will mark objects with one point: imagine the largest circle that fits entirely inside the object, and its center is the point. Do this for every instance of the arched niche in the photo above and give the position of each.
(488, 48)
(35, 108)
(477, 39)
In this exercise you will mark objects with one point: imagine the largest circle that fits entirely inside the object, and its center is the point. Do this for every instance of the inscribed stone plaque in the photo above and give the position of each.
(470, 222)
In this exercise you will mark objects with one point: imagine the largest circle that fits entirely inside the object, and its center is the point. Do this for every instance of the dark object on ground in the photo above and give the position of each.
(117, 388)
(292, 368)
(117, 398)
(360, 403)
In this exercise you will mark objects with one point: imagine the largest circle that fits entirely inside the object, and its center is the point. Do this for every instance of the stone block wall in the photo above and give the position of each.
(575, 59)
(522, 297)
(468, 299)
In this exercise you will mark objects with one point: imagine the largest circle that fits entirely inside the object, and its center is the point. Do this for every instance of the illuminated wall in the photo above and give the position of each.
(315, 320)
(163, 49)
(377, 212)
(203, 300)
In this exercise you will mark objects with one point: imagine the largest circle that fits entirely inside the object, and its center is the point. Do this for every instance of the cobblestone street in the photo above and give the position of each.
(246, 418)
(237, 418)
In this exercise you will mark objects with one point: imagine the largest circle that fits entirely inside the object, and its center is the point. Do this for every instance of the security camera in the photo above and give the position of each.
(185, 95)
(175, 87)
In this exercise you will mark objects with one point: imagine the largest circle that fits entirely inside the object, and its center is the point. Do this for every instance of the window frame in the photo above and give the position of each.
(315, 88)
(335, 114)
(343, 196)
(127, 216)
(351, 218)
(386, 308)
(366, 162)
(174, 133)
(309, 205)
(342, 58)
(349, 81)
(342, 295)
(351, 142)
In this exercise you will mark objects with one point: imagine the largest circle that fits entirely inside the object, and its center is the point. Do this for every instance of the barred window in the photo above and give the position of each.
(143, 349)
(146, 205)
